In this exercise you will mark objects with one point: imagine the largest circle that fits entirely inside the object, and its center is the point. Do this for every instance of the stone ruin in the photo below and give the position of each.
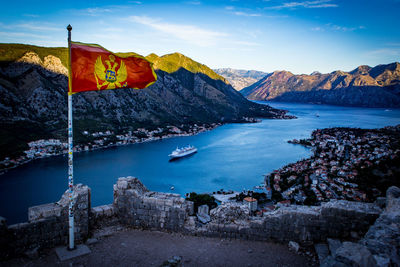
(381, 244)
(47, 226)
(135, 206)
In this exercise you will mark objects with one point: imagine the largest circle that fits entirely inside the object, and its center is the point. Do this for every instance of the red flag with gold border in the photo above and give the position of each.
(94, 68)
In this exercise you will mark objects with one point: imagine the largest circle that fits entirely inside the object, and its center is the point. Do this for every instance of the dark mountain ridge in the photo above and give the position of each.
(364, 86)
(33, 103)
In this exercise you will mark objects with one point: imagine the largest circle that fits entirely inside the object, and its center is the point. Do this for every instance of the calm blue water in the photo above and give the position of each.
(233, 156)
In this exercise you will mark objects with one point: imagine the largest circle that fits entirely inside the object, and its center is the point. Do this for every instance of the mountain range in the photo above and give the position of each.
(240, 78)
(33, 99)
(364, 86)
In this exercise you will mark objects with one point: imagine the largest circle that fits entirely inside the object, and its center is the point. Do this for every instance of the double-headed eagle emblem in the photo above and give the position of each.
(109, 76)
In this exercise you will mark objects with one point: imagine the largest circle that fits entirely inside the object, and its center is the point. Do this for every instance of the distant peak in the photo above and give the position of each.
(380, 69)
(338, 72)
(396, 66)
(315, 73)
(50, 62)
(391, 66)
(282, 72)
(174, 54)
(173, 62)
(30, 57)
(151, 57)
(176, 57)
(361, 69)
(54, 64)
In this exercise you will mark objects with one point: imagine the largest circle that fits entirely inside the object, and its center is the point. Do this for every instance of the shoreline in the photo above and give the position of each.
(193, 130)
(142, 140)
(347, 163)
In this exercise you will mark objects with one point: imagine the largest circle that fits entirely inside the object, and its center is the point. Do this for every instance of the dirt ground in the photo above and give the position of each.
(131, 247)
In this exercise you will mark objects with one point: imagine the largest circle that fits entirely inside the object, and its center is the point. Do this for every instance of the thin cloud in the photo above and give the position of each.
(318, 29)
(108, 36)
(22, 34)
(31, 15)
(196, 3)
(276, 16)
(334, 27)
(113, 29)
(236, 49)
(384, 52)
(37, 26)
(189, 33)
(240, 13)
(345, 29)
(322, 6)
(305, 4)
(245, 43)
(96, 11)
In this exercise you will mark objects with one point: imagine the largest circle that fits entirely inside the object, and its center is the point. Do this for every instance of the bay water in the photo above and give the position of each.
(230, 157)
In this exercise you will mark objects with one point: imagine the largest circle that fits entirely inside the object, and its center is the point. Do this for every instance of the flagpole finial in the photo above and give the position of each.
(69, 27)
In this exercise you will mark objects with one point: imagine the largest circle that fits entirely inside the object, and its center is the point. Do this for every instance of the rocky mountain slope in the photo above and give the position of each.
(33, 100)
(364, 86)
(240, 78)
(173, 62)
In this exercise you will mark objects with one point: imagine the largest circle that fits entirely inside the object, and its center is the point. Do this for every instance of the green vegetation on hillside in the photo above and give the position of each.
(12, 52)
(43, 97)
(127, 54)
(169, 63)
(172, 62)
(152, 57)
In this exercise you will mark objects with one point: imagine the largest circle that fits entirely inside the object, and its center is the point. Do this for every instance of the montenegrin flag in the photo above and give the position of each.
(94, 68)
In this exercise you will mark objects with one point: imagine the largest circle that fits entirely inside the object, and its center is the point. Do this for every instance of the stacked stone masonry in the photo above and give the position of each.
(139, 207)
(47, 226)
(103, 216)
(297, 223)
(134, 205)
(381, 244)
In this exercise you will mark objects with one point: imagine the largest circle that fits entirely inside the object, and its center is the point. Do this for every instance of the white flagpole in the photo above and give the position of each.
(70, 150)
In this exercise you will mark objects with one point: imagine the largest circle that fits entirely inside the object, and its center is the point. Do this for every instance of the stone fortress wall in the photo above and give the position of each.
(47, 226)
(135, 206)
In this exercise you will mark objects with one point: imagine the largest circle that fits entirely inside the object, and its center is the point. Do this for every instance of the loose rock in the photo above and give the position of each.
(354, 254)
(294, 246)
(322, 251)
(333, 244)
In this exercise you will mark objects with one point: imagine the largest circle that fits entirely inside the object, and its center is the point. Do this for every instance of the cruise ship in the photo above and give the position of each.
(182, 152)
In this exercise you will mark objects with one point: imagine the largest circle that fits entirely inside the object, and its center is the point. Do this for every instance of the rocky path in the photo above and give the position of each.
(144, 248)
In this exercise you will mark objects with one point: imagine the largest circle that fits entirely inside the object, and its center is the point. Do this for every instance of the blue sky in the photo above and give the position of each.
(267, 35)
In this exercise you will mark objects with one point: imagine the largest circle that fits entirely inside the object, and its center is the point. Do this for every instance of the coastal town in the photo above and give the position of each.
(98, 140)
(344, 165)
